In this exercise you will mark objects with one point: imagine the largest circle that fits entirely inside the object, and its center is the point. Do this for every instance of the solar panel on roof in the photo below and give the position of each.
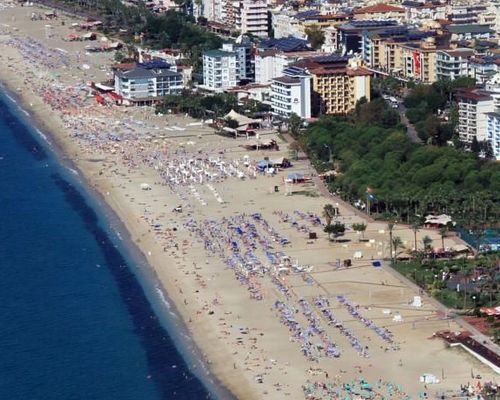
(154, 64)
(330, 58)
(285, 44)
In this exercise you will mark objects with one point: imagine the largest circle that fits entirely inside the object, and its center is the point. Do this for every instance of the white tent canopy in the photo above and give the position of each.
(241, 119)
(442, 219)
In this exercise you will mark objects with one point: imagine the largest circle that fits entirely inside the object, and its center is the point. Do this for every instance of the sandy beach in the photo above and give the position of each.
(275, 314)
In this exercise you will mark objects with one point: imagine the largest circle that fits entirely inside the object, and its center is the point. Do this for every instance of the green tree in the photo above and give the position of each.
(390, 227)
(360, 228)
(294, 123)
(427, 242)
(396, 244)
(443, 231)
(415, 227)
(475, 146)
(294, 148)
(315, 36)
(334, 230)
(231, 123)
(328, 213)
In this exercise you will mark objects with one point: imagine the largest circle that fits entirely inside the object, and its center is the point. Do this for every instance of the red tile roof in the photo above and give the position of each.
(359, 71)
(379, 8)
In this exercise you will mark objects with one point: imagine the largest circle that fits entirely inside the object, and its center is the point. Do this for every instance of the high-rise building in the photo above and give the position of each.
(147, 81)
(452, 64)
(245, 65)
(219, 70)
(250, 16)
(291, 93)
(337, 83)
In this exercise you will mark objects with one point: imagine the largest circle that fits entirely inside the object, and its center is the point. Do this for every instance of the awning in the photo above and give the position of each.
(442, 219)
(241, 119)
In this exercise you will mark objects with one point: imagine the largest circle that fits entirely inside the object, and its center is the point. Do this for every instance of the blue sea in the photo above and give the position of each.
(79, 314)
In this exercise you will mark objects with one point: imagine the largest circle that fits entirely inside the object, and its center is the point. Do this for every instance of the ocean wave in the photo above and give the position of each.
(73, 171)
(165, 301)
(118, 234)
(41, 134)
(11, 98)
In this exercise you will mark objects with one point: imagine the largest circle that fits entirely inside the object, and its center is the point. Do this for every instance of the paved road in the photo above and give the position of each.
(411, 132)
(323, 189)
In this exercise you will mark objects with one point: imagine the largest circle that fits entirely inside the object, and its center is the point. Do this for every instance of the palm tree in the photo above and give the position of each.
(427, 241)
(390, 226)
(415, 227)
(328, 213)
(396, 242)
(443, 231)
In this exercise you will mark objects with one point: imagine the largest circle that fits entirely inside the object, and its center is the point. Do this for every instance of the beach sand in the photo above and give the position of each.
(242, 339)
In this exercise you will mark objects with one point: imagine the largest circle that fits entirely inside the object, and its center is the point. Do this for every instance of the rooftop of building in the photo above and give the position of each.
(219, 53)
(307, 14)
(368, 24)
(359, 71)
(288, 44)
(469, 28)
(328, 17)
(419, 4)
(472, 94)
(461, 52)
(493, 59)
(379, 8)
(288, 80)
(150, 69)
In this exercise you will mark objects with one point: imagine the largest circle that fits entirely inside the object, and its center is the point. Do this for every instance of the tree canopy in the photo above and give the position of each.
(407, 178)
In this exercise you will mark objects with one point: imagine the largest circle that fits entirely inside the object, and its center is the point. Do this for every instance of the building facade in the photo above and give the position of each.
(219, 70)
(291, 93)
(472, 119)
(147, 81)
(245, 64)
(493, 133)
(251, 17)
(452, 64)
(270, 64)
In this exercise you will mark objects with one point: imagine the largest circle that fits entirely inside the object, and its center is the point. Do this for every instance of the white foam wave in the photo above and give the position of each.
(118, 234)
(11, 98)
(42, 135)
(165, 301)
(73, 171)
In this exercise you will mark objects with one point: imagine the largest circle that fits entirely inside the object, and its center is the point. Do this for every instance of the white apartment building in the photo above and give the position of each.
(244, 61)
(147, 81)
(472, 120)
(291, 93)
(465, 13)
(285, 25)
(479, 115)
(482, 69)
(493, 132)
(270, 64)
(452, 64)
(251, 17)
(219, 70)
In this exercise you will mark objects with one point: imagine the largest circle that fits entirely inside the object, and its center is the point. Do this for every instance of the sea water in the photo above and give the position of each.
(74, 321)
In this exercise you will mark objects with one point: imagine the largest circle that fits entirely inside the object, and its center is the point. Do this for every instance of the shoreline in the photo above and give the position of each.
(219, 312)
(165, 308)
